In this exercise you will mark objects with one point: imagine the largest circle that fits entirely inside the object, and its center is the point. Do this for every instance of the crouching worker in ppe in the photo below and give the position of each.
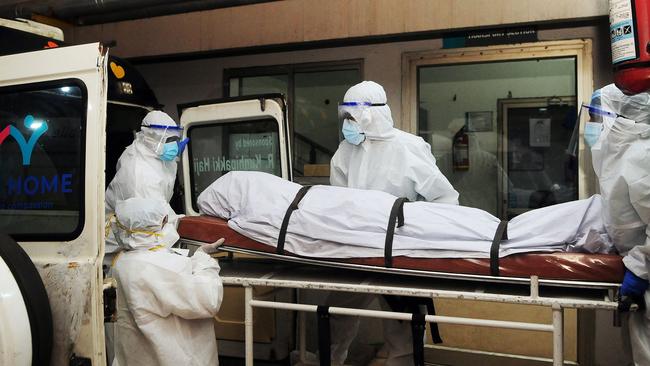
(619, 136)
(375, 155)
(165, 302)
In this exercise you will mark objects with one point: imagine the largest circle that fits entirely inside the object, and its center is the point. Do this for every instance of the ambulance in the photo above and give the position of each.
(66, 114)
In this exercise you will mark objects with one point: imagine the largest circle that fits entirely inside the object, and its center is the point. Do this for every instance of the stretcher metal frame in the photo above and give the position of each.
(300, 274)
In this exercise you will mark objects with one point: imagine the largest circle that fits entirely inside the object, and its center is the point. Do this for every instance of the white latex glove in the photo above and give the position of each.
(212, 247)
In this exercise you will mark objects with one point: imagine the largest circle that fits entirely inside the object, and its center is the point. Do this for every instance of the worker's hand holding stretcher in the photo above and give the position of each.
(630, 296)
(212, 247)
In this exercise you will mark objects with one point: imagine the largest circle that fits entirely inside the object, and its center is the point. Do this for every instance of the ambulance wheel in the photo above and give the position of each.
(24, 309)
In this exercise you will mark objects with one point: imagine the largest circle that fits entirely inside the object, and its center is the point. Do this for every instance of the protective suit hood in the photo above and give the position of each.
(634, 107)
(154, 135)
(139, 223)
(376, 121)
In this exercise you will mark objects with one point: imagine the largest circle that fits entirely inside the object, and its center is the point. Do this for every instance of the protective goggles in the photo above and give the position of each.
(352, 110)
(169, 134)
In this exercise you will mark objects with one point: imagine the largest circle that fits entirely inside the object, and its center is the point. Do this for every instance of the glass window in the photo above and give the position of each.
(41, 155)
(500, 131)
(264, 84)
(218, 148)
(313, 94)
(316, 130)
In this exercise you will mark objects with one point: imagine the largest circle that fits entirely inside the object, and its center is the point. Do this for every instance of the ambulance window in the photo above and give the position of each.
(217, 148)
(41, 155)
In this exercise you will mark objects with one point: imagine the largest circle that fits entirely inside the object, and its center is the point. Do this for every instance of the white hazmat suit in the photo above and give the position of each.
(394, 162)
(165, 302)
(621, 160)
(141, 173)
(389, 160)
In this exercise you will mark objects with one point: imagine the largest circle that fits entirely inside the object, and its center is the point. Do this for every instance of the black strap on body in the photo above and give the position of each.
(324, 342)
(412, 305)
(396, 217)
(435, 332)
(285, 222)
(417, 331)
(501, 234)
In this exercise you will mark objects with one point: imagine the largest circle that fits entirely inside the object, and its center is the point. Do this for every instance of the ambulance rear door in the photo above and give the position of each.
(52, 131)
(242, 133)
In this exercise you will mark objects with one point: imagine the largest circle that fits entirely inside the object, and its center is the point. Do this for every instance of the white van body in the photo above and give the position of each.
(70, 261)
(71, 268)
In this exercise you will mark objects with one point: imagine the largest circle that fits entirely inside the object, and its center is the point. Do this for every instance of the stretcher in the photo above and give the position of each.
(577, 270)
(269, 218)
(372, 230)
(558, 280)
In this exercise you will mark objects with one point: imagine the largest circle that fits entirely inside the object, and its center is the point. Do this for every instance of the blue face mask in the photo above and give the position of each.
(170, 151)
(352, 133)
(592, 132)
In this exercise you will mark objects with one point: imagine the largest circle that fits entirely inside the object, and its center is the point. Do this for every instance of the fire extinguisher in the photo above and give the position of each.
(629, 25)
(460, 150)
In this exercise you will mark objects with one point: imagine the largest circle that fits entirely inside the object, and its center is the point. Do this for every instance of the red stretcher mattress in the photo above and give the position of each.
(559, 265)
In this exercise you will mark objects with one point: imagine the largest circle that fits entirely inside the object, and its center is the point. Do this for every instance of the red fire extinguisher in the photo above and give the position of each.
(629, 25)
(460, 150)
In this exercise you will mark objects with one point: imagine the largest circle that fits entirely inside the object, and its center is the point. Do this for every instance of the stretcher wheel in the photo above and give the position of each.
(31, 305)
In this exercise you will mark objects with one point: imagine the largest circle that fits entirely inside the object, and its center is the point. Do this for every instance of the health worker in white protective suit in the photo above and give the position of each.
(147, 169)
(619, 131)
(165, 301)
(375, 155)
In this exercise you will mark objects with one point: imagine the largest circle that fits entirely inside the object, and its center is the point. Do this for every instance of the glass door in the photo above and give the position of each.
(538, 169)
(459, 108)
(463, 102)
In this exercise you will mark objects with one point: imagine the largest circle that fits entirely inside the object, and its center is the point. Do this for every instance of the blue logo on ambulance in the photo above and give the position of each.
(38, 128)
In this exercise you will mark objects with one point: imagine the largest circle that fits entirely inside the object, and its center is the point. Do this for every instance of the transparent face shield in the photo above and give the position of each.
(594, 119)
(170, 136)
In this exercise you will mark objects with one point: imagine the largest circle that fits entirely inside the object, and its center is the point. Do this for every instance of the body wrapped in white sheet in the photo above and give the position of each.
(338, 222)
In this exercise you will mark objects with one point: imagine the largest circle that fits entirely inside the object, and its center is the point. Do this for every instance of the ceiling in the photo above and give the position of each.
(87, 12)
